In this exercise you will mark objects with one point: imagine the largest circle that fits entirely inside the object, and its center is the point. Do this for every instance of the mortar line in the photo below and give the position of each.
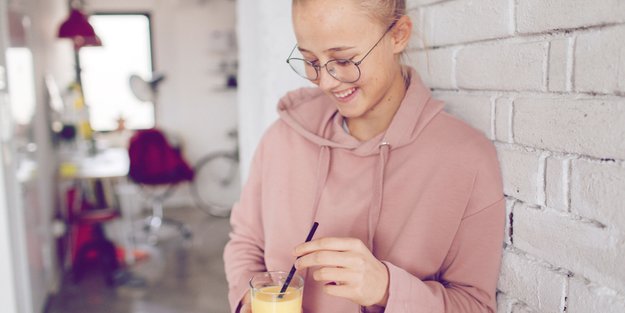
(566, 183)
(570, 64)
(493, 117)
(565, 294)
(547, 67)
(541, 179)
(511, 122)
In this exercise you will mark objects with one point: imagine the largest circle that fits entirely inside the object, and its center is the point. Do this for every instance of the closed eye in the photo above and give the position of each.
(343, 62)
(314, 63)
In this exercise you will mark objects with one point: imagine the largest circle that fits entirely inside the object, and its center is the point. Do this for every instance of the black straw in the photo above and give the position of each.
(311, 233)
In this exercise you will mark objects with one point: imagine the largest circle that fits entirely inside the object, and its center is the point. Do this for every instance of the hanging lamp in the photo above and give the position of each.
(77, 28)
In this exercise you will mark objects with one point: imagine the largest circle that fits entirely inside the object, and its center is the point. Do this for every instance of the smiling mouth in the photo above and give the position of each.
(345, 93)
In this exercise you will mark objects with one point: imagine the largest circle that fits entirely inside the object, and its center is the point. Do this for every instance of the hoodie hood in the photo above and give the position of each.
(312, 114)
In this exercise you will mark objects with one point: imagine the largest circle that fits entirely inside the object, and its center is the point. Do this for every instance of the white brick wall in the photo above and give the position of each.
(572, 243)
(475, 109)
(534, 284)
(435, 66)
(543, 15)
(586, 298)
(520, 171)
(502, 66)
(454, 21)
(545, 80)
(600, 60)
(572, 125)
(598, 192)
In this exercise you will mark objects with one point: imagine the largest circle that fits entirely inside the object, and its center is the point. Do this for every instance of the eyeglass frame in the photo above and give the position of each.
(318, 67)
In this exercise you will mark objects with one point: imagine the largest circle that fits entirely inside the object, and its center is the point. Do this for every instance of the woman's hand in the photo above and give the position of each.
(245, 306)
(348, 267)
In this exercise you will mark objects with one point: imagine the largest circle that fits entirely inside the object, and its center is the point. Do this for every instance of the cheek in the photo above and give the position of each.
(373, 81)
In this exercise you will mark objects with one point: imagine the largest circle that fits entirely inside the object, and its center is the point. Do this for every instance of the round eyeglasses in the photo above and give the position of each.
(343, 70)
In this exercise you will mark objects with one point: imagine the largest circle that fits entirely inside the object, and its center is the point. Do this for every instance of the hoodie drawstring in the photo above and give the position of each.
(323, 169)
(378, 192)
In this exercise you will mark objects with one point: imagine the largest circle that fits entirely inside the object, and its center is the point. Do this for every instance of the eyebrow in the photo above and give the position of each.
(335, 49)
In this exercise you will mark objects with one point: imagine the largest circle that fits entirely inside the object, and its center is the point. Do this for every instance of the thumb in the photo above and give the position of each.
(246, 308)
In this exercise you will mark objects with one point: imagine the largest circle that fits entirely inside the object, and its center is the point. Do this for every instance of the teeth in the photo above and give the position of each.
(345, 93)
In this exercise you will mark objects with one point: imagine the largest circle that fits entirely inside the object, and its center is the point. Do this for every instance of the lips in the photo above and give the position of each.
(345, 93)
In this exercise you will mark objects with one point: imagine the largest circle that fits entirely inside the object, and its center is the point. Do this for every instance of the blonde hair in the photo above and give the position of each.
(383, 11)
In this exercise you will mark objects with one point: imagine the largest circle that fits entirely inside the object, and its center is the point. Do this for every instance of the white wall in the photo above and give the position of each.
(265, 40)
(50, 56)
(7, 277)
(544, 80)
(190, 103)
(31, 199)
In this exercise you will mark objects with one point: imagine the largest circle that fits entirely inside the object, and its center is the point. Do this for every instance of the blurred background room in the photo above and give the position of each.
(127, 128)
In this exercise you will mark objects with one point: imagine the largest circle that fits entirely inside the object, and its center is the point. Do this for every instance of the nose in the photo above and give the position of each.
(326, 81)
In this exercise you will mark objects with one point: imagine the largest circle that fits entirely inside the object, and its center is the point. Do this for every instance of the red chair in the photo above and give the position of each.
(90, 244)
(156, 164)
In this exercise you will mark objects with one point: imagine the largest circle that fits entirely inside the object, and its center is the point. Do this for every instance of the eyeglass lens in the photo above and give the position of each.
(343, 70)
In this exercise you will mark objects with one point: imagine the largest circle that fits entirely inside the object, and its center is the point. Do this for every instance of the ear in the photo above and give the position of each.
(401, 34)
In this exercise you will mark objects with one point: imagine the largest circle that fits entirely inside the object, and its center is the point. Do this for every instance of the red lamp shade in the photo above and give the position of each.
(77, 28)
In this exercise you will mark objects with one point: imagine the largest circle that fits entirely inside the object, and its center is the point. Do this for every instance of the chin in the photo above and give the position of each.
(347, 112)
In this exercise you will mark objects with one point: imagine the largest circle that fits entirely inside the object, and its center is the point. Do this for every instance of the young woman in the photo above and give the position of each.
(409, 198)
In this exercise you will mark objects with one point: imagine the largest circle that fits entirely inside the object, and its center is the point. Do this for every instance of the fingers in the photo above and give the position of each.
(245, 304)
(340, 276)
(329, 259)
(246, 308)
(343, 291)
(329, 243)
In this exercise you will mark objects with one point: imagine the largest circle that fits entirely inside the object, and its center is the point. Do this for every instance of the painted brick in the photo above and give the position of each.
(522, 308)
(417, 40)
(504, 303)
(503, 119)
(418, 3)
(586, 126)
(598, 192)
(520, 173)
(600, 61)
(541, 15)
(468, 20)
(559, 76)
(583, 248)
(435, 67)
(532, 283)
(557, 178)
(502, 66)
(475, 110)
(584, 298)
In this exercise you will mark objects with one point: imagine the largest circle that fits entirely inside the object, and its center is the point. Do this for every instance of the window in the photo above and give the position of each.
(126, 50)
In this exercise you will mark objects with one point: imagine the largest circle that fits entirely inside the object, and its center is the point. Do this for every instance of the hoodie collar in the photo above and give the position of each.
(313, 114)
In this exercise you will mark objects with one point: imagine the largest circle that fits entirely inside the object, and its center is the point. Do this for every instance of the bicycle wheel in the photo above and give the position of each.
(216, 185)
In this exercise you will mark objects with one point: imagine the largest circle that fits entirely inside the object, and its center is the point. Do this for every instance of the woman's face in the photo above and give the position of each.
(339, 29)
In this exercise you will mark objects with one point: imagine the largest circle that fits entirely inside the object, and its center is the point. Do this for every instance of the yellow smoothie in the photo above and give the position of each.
(266, 300)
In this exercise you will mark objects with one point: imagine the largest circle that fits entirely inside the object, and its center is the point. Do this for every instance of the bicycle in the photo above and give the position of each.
(215, 175)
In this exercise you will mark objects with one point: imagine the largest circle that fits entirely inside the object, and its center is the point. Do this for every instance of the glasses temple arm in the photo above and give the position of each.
(290, 54)
(376, 44)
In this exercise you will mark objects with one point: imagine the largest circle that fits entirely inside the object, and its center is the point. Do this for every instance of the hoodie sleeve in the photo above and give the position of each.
(244, 253)
(467, 280)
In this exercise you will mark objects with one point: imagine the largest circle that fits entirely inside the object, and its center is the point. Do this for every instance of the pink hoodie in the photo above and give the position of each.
(425, 196)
